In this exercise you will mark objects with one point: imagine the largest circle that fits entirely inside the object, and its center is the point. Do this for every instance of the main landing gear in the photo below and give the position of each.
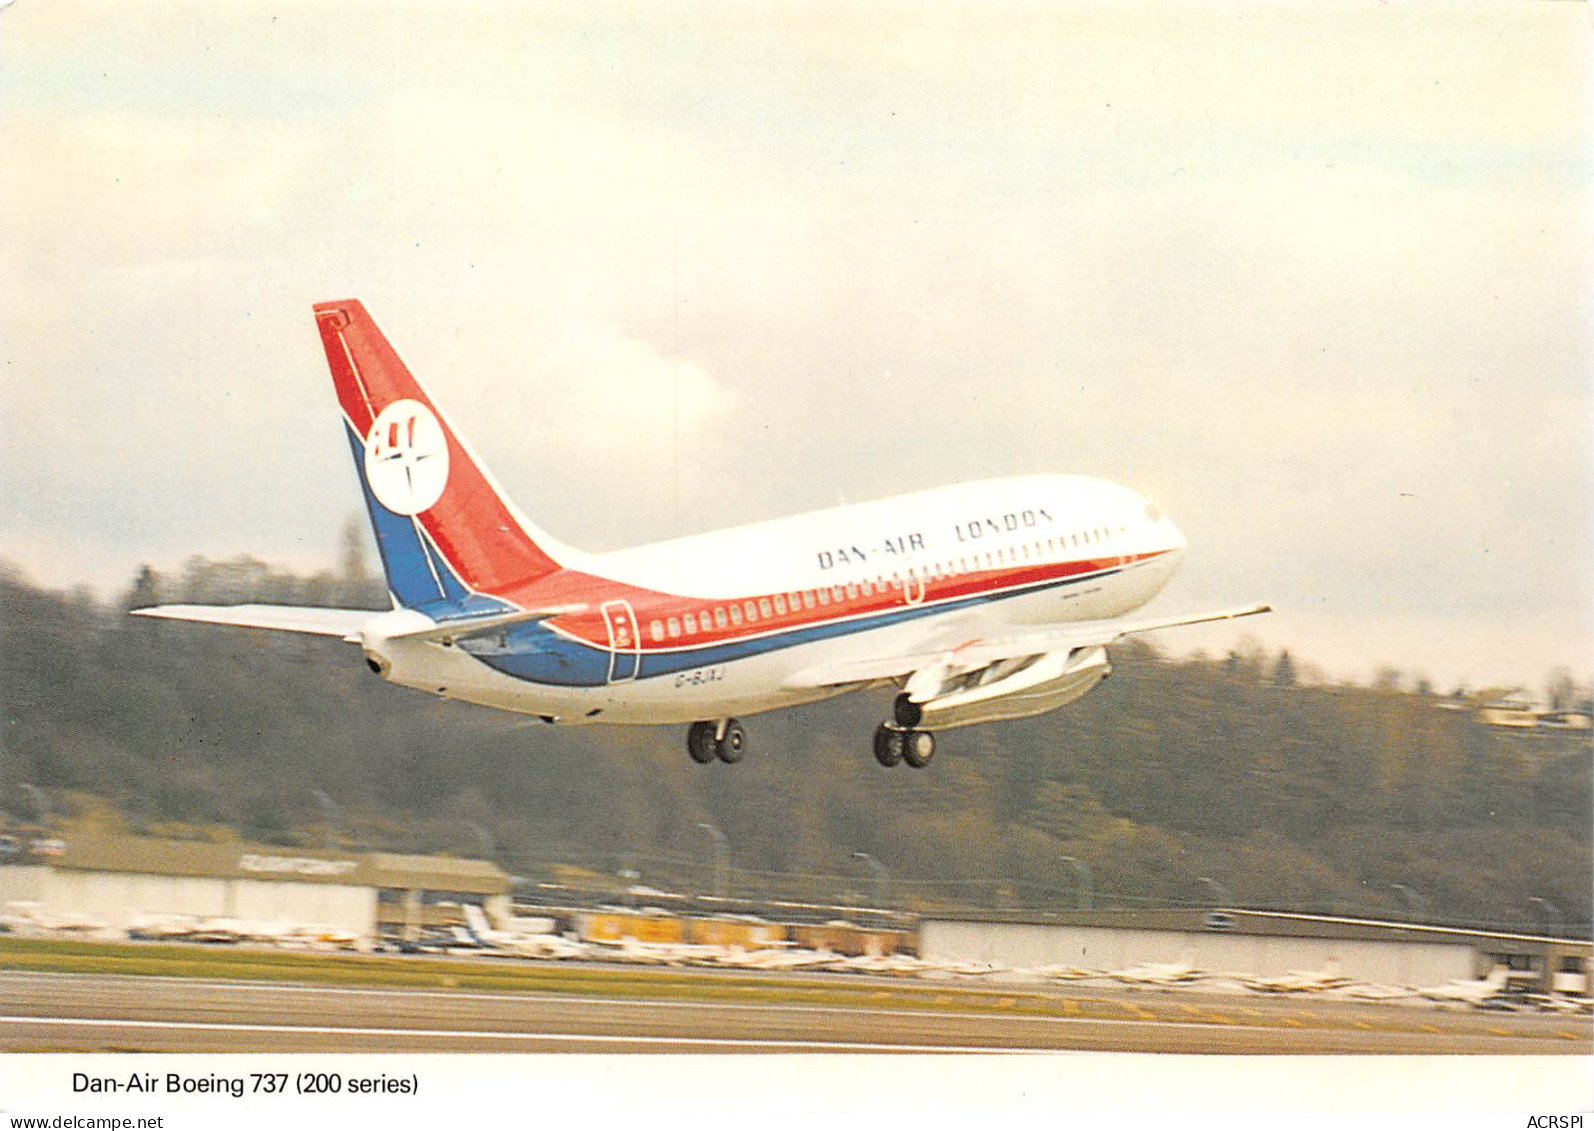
(893, 744)
(899, 741)
(725, 740)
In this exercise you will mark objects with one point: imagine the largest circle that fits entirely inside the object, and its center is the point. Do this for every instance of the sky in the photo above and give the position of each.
(1315, 279)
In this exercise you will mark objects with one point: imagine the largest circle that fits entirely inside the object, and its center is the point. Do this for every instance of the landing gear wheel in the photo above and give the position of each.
(732, 744)
(918, 748)
(700, 742)
(888, 745)
(906, 712)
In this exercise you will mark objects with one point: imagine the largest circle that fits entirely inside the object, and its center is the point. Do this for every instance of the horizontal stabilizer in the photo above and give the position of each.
(345, 623)
(449, 631)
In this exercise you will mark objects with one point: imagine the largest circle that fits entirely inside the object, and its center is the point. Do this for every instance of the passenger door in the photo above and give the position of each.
(625, 642)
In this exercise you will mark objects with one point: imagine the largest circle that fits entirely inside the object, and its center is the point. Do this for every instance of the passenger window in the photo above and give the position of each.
(719, 618)
(868, 590)
(808, 598)
(838, 592)
(751, 610)
(674, 627)
(852, 591)
(736, 614)
(780, 605)
(763, 608)
(824, 598)
(689, 623)
(656, 629)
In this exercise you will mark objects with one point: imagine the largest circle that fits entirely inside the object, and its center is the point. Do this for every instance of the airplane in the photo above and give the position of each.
(523, 943)
(1482, 993)
(1300, 981)
(980, 602)
(1159, 973)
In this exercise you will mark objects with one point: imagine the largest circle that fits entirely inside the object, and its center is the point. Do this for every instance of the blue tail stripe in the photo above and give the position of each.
(417, 575)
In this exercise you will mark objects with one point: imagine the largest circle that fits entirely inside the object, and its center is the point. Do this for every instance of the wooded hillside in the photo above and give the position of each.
(1287, 796)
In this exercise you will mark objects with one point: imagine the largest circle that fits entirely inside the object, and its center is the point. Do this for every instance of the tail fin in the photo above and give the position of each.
(445, 531)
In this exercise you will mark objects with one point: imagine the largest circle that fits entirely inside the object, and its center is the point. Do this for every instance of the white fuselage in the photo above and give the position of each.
(881, 578)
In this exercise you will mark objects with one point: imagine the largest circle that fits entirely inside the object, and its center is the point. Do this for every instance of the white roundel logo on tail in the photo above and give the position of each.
(406, 458)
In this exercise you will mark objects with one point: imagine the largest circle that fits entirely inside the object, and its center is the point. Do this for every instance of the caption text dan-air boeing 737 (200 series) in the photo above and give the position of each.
(981, 601)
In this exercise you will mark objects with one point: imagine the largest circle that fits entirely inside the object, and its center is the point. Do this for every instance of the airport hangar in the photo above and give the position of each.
(117, 879)
(1260, 943)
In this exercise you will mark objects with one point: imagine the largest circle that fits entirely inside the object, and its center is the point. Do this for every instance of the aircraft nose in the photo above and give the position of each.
(1164, 528)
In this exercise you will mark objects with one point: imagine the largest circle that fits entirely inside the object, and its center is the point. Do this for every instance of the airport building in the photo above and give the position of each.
(119, 880)
(1262, 943)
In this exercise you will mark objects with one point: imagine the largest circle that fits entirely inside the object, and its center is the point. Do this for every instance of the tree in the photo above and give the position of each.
(1284, 670)
(352, 571)
(1561, 690)
(1387, 680)
(146, 590)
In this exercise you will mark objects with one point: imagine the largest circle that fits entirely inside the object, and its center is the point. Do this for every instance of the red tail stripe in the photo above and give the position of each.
(470, 524)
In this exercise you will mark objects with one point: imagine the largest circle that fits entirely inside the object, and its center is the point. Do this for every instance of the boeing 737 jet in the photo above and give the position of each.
(978, 602)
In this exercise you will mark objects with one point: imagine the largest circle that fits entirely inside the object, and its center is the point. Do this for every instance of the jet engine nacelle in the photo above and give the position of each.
(1014, 689)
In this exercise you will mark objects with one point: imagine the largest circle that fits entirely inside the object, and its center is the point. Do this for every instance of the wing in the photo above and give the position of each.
(935, 667)
(345, 623)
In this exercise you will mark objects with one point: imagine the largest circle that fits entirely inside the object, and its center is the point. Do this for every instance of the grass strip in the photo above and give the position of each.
(248, 964)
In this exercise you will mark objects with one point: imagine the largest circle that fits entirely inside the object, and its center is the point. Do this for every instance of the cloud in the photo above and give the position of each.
(630, 393)
(1313, 281)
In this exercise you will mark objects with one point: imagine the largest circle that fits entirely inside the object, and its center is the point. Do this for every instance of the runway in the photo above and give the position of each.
(111, 1013)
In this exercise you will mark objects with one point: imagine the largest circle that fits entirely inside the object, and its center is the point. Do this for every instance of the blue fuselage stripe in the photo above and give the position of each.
(538, 654)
